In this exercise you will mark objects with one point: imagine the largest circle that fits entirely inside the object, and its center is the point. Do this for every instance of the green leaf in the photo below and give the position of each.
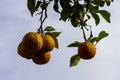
(37, 5)
(92, 40)
(49, 28)
(101, 35)
(31, 6)
(65, 14)
(44, 6)
(65, 3)
(93, 9)
(98, 2)
(96, 18)
(55, 34)
(74, 60)
(105, 14)
(56, 42)
(55, 6)
(102, 3)
(108, 2)
(75, 21)
(78, 8)
(88, 5)
(74, 44)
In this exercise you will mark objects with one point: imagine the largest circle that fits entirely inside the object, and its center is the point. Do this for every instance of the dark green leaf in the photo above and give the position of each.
(65, 3)
(44, 6)
(74, 44)
(78, 8)
(65, 14)
(88, 5)
(74, 60)
(98, 2)
(93, 9)
(96, 18)
(37, 5)
(105, 14)
(75, 21)
(101, 35)
(102, 3)
(55, 6)
(31, 6)
(108, 2)
(49, 28)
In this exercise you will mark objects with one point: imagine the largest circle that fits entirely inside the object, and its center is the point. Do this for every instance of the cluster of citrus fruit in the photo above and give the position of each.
(86, 50)
(36, 47)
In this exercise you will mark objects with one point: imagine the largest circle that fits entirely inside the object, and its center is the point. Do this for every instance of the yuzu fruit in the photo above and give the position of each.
(86, 50)
(32, 41)
(41, 57)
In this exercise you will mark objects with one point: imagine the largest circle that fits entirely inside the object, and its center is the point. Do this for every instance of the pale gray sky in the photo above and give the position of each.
(15, 21)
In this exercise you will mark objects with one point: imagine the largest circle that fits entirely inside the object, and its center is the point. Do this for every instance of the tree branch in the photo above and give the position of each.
(42, 19)
(84, 35)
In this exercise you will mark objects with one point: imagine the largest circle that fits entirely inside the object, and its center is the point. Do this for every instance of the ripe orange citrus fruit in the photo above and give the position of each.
(32, 41)
(86, 50)
(48, 43)
(23, 52)
(41, 57)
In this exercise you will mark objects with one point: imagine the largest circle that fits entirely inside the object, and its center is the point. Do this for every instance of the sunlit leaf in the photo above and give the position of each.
(94, 9)
(74, 44)
(74, 60)
(55, 34)
(92, 40)
(101, 35)
(49, 28)
(96, 18)
(105, 14)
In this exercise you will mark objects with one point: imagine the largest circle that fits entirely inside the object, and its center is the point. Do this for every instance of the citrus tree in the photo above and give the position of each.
(78, 13)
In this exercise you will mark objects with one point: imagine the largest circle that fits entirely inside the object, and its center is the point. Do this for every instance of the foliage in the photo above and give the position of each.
(51, 31)
(77, 12)
(74, 60)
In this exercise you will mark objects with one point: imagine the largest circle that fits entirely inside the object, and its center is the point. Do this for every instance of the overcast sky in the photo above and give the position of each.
(15, 21)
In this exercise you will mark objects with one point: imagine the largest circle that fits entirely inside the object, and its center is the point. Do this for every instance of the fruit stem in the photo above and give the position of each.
(84, 36)
(42, 19)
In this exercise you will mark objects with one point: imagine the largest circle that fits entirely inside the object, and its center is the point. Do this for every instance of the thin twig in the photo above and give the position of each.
(84, 36)
(42, 19)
